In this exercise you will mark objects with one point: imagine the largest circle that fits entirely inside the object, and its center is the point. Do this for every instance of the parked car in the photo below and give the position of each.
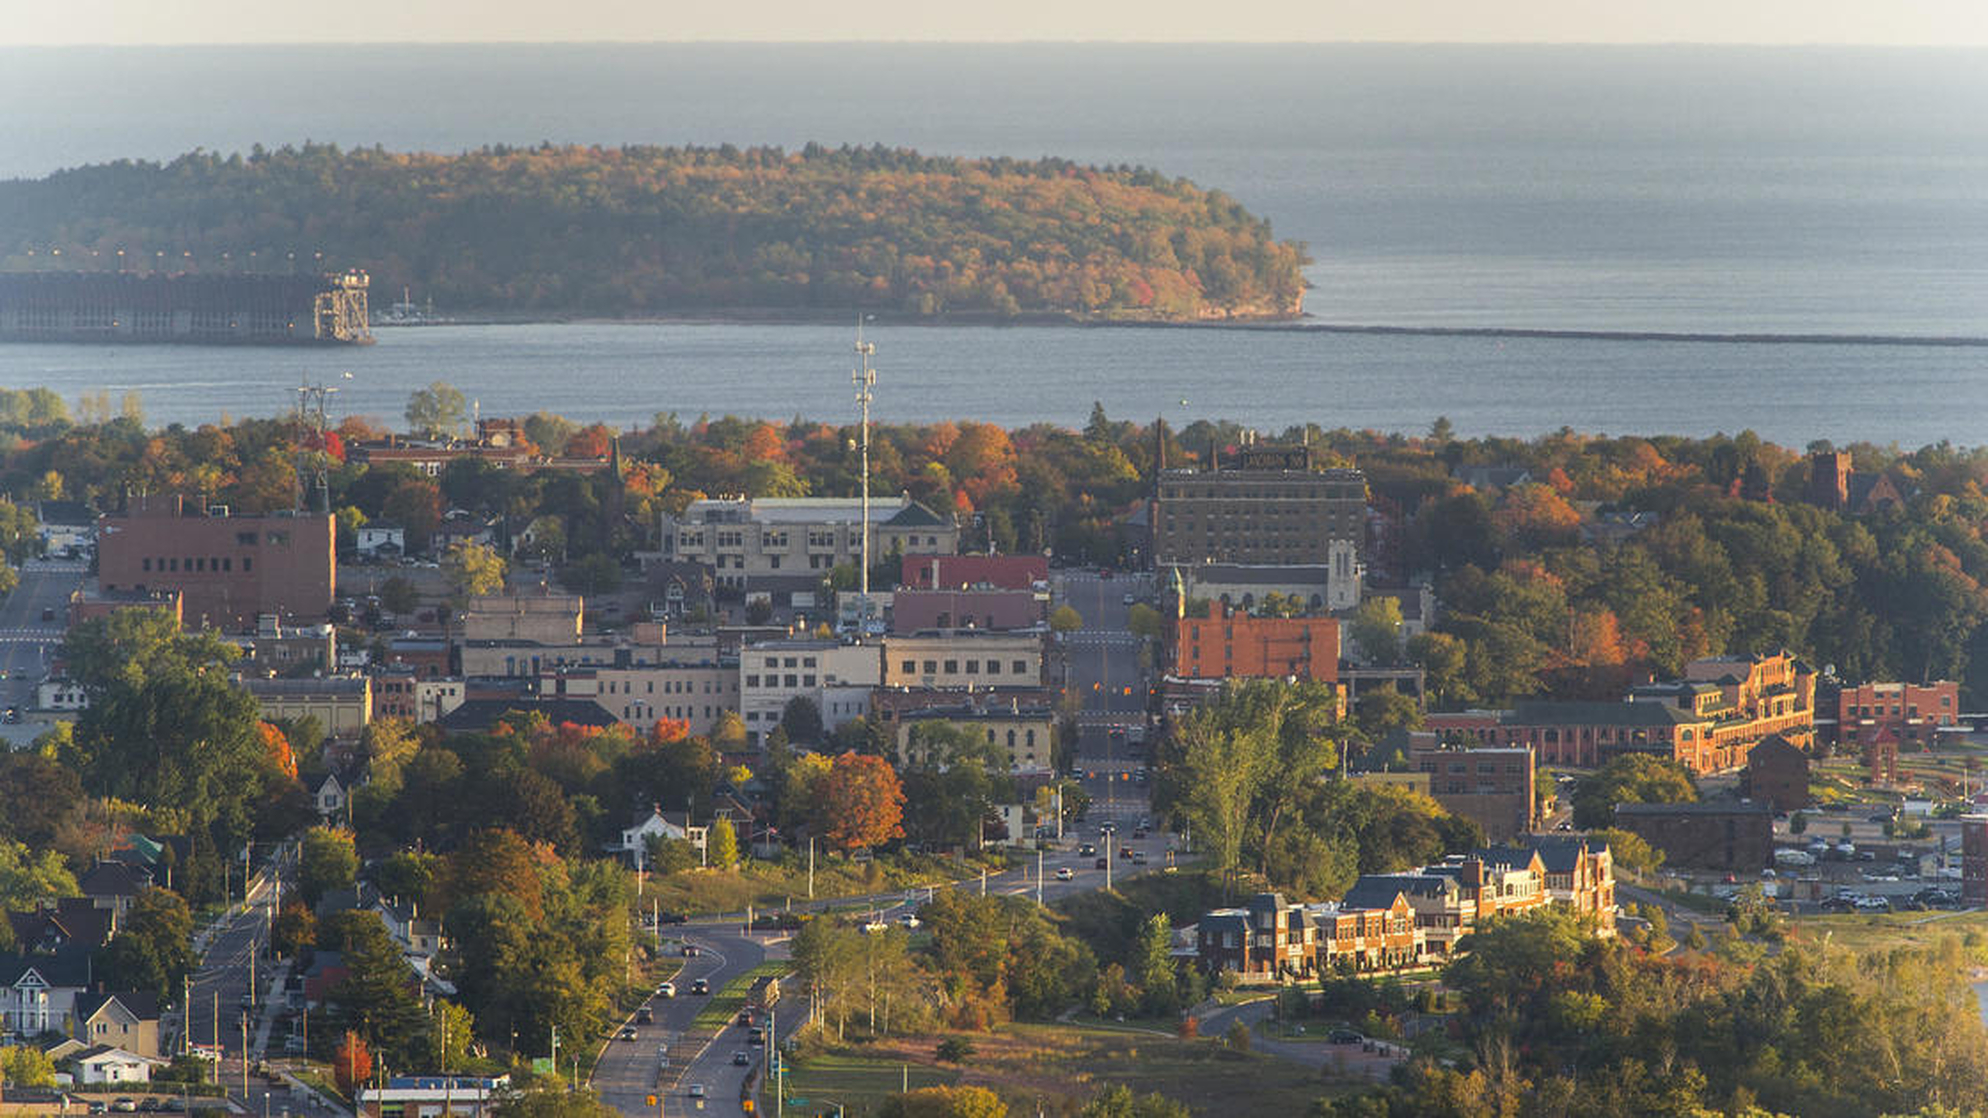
(97, 1106)
(1345, 1036)
(125, 1106)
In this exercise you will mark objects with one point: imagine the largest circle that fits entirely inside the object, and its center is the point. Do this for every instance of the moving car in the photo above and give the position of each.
(700, 987)
(1087, 849)
(1102, 862)
(740, 1059)
(696, 1090)
(666, 990)
(1065, 874)
(909, 920)
(627, 1032)
(645, 1016)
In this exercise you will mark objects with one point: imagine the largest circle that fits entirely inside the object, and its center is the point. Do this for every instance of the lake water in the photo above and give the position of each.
(626, 373)
(1680, 189)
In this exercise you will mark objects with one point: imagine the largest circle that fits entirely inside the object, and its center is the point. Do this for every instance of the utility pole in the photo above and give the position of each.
(1110, 837)
(779, 1062)
(865, 379)
(217, 1029)
(1038, 875)
(245, 1059)
(811, 867)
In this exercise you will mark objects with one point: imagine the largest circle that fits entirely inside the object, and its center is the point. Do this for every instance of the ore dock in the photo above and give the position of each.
(243, 309)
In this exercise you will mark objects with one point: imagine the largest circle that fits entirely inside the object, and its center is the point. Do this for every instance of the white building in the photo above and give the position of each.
(103, 1064)
(774, 673)
(744, 537)
(380, 541)
(654, 824)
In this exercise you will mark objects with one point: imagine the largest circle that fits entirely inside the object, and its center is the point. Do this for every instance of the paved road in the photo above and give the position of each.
(1103, 665)
(235, 952)
(630, 1071)
(27, 642)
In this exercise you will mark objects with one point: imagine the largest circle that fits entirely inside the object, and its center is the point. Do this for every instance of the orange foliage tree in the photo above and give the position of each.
(352, 1064)
(860, 802)
(277, 746)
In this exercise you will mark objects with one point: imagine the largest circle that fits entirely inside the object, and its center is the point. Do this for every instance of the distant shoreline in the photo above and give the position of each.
(1304, 325)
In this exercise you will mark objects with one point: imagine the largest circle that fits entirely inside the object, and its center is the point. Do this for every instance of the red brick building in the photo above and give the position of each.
(1897, 712)
(227, 569)
(1238, 646)
(1777, 774)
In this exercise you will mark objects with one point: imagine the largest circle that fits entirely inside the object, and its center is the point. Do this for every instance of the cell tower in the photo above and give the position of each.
(314, 459)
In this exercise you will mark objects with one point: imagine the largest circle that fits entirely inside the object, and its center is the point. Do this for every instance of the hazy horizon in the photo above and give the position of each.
(1929, 23)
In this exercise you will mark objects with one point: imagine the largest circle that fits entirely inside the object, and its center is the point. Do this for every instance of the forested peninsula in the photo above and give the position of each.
(661, 231)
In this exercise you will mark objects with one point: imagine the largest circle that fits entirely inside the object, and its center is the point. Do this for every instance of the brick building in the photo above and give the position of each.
(1269, 507)
(1237, 646)
(973, 572)
(1777, 774)
(1895, 712)
(227, 569)
(1712, 835)
(914, 610)
(1493, 785)
(1974, 859)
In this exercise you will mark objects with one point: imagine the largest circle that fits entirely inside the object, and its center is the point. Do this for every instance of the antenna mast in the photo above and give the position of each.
(865, 379)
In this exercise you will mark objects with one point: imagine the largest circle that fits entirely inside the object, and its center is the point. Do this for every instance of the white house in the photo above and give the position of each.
(635, 839)
(104, 1064)
(38, 993)
(380, 541)
(329, 797)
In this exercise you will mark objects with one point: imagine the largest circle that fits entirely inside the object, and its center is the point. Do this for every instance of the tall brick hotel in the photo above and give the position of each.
(228, 569)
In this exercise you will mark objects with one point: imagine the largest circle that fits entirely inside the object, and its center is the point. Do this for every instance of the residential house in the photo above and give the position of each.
(38, 992)
(113, 885)
(70, 921)
(127, 1020)
(654, 824)
(330, 796)
(103, 1063)
(380, 541)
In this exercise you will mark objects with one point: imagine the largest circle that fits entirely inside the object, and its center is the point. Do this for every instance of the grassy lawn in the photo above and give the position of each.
(1883, 930)
(860, 1082)
(726, 1003)
(1061, 1067)
(765, 884)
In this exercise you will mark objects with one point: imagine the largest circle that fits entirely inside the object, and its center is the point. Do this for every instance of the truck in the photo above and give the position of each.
(765, 992)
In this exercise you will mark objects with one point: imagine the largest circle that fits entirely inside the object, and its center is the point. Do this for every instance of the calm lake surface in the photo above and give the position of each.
(625, 374)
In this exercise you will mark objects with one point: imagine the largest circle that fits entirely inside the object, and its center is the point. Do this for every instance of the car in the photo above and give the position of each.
(627, 1032)
(673, 918)
(666, 990)
(1563, 825)
(757, 1038)
(645, 1016)
(48, 613)
(1345, 1036)
(1839, 904)
(1065, 874)
(148, 1105)
(740, 1059)
(696, 1091)
(1140, 833)
(1103, 863)
(1139, 857)
(689, 950)
(1881, 817)
(13, 714)
(909, 920)
(1125, 851)
(745, 1016)
(125, 1106)
(174, 1106)
(1107, 827)
(1131, 598)
(248, 1000)
(1087, 850)
(700, 986)
(97, 1106)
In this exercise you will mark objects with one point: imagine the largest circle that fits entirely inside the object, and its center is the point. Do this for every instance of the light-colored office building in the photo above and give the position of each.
(774, 673)
(744, 538)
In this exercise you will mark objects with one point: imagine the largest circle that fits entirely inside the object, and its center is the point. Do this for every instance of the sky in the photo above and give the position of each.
(135, 22)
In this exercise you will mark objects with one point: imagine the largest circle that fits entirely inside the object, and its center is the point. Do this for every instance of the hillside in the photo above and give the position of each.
(657, 231)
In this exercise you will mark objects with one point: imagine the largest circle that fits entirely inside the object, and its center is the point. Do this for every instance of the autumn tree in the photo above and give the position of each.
(861, 802)
(472, 570)
(352, 1063)
(327, 860)
(1632, 778)
(722, 843)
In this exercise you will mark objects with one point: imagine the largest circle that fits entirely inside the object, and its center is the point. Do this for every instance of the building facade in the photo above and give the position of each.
(962, 659)
(1711, 835)
(771, 674)
(743, 538)
(1232, 645)
(1272, 508)
(1493, 785)
(227, 569)
(1896, 712)
(693, 691)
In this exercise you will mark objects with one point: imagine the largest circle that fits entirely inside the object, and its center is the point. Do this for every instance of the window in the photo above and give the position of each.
(910, 667)
(146, 563)
(245, 539)
(931, 667)
(791, 682)
(973, 667)
(1021, 667)
(952, 667)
